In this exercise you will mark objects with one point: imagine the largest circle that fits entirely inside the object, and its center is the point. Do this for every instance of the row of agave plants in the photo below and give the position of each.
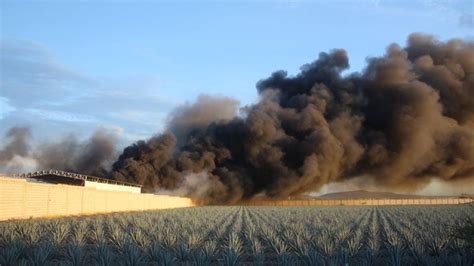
(408, 235)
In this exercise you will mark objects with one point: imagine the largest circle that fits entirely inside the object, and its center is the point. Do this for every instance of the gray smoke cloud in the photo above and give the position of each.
(93, 156)
(191, 119)
(16, 144)
(15, 153)
(407, 117)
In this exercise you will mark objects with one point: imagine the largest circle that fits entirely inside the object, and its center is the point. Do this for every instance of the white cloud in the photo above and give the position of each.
(31, 75)
(39, 91)
(61, 116)
(466, 20)
(5, 107)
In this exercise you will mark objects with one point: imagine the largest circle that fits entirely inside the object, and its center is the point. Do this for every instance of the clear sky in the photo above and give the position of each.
(75, 66)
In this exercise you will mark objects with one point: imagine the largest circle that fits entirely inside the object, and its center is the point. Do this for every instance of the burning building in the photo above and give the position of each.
(67, 178)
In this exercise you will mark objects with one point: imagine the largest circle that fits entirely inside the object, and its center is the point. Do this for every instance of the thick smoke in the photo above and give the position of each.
(16, 150)
(190, 119)
(93, 156)
(17, 145)
(408, 117)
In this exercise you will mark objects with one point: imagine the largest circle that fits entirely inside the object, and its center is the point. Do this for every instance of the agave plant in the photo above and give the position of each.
(369, 257)
(10, 255)
(170, 239)
(117, 237)
(104, 255)
(437, 243)
(79, 236)
(247, 235)
(182, 252)
(139, 238)
(210, 249)
(396, 254)
(285, 258)
(59, 232)
(41, 254)
(75, 255)
(354, 244)
(230, 257)
(279, 247)
(194, 240)
(327, 245)
(131, 255)
(233, 249)
(97, 235)
(201, 257)
(157, 254)
(299, 245)
(258, 252)
(29, 232)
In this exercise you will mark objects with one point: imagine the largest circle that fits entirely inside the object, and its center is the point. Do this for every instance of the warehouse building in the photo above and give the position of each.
(67, 178)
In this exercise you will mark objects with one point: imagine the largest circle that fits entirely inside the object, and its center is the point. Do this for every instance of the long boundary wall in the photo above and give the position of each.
(358, 202)
(21, 199)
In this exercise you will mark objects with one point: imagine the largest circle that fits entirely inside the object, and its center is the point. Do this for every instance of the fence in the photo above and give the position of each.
(22, 199)
(358, 202)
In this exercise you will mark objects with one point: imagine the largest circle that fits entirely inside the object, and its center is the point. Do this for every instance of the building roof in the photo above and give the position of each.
(73, 176)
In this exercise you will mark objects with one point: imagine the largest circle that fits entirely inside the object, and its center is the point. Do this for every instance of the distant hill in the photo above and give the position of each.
(362, 194)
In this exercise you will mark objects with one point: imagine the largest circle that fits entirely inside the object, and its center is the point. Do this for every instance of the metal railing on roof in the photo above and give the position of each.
(74, 176)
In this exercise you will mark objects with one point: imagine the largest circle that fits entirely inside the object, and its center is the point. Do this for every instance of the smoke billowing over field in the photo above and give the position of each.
(91, 157)
(407, 117)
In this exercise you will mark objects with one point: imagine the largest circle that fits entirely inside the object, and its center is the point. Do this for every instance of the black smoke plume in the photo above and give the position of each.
(93, 156)
(407, 117)
(16, 145)
(190, 118)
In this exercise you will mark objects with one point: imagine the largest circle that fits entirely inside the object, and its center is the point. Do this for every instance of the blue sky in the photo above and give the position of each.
(73, 67)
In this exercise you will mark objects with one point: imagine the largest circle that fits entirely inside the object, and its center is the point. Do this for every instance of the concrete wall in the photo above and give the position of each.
(111, 187)
(20, 199)
(358, 202)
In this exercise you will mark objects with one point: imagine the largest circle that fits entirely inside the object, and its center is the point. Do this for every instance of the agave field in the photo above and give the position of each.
(389, 235)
